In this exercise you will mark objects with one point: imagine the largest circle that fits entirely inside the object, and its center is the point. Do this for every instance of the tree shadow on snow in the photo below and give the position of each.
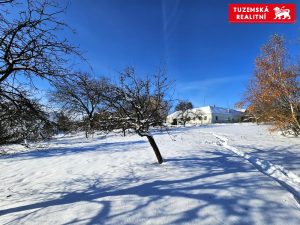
(284, 156)
(224, 183)
(109, 147)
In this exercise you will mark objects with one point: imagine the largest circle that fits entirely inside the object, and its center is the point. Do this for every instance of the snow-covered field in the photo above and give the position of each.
(216, 174)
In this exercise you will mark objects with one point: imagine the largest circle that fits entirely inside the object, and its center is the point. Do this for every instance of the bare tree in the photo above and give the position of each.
(184, 108)
(29, 47)
(80, 94)
(29, 44)
(138, 104)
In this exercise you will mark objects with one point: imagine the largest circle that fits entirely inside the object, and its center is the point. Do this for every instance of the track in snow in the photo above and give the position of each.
(285, 178)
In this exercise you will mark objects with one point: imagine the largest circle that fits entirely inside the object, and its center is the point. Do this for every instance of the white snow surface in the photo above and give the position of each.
(287, 178)
(214, 174)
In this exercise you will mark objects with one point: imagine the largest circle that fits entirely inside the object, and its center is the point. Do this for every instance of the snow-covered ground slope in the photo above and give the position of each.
(115, 180)
(259, 142)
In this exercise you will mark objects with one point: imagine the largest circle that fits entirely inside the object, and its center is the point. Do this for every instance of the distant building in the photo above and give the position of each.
(207, 115)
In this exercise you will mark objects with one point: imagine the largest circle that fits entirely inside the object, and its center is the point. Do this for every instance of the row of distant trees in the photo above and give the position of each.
(130, 104)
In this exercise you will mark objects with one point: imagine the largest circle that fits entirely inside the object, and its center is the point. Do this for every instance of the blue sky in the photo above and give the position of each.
(210, 59)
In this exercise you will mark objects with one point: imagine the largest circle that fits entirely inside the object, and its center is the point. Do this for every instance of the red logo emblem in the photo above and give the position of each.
(262, 13)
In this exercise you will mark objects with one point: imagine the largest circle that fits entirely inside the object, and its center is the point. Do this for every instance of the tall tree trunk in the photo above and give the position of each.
(89, 126)
(294, 116)
(155, 149)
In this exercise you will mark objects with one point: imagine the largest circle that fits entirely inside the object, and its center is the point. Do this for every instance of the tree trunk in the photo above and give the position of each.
(295, 117)
(155, 149)
(89, 127)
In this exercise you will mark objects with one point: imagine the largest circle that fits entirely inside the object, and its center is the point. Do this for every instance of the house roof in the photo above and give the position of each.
(208, 110)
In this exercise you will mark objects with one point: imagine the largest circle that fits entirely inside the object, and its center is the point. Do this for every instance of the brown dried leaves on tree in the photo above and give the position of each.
(273, 93)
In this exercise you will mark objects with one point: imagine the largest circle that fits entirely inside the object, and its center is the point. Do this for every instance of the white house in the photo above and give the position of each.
(206, 115)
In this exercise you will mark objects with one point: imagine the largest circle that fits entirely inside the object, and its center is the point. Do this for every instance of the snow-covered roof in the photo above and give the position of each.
(219, 110)
(241, 110)
(208, 110)
(174, 114)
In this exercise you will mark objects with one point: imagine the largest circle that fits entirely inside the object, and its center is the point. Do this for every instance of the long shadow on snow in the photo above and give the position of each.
(109, 147)
(221, 173)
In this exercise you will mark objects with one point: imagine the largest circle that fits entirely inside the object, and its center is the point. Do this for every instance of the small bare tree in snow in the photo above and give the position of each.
(138, 104)
(185, 110)
(81, 95)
